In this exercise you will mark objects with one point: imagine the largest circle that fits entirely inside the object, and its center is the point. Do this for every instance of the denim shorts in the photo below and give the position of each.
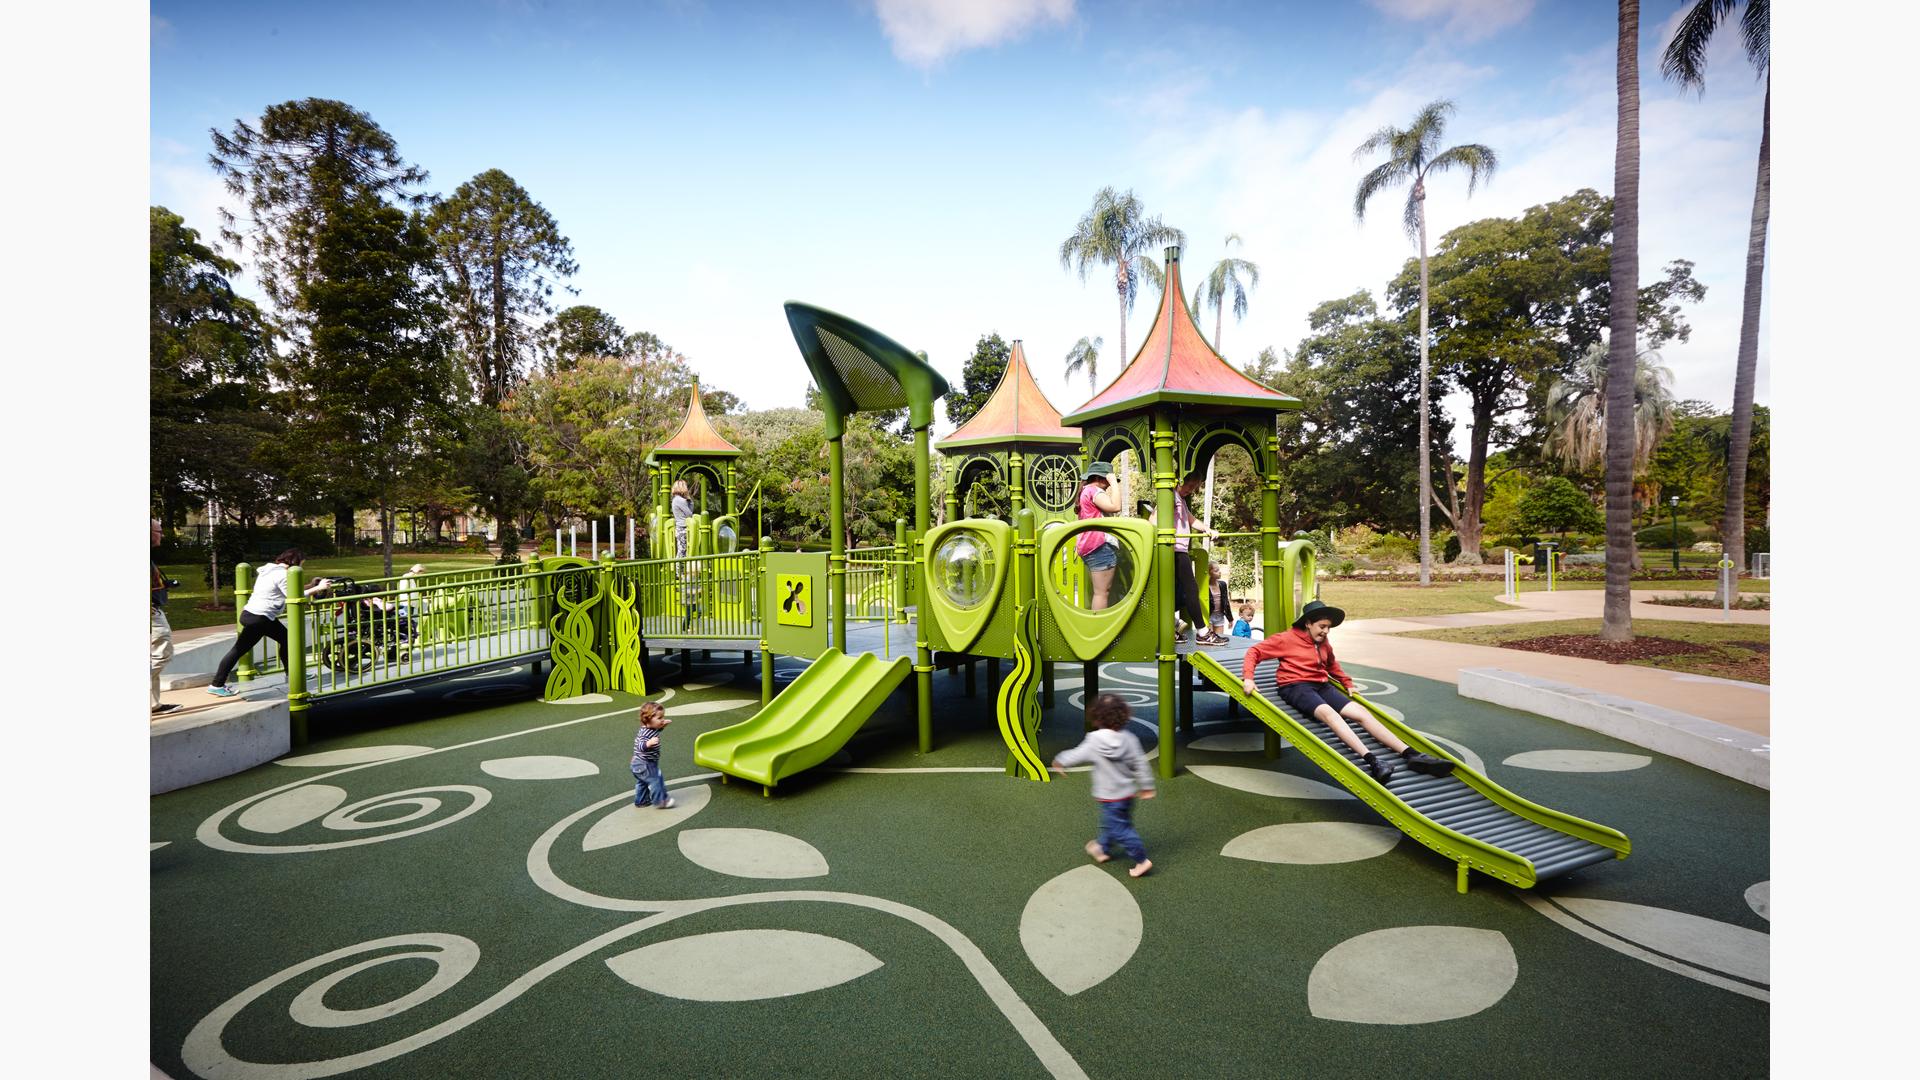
(1308, 696)
(1104, 557)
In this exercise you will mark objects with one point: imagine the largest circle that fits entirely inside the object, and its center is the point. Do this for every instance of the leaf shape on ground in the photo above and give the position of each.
(752, 853)
(1708, 943)
(1080, 927)
(539, 767)
(1460, 750)
(1235, 742)
(353, 755)
(1578, 761)
(1760, 899)
(1267, 782)
(743, 965)
(628, 822)
(1412, 975)
(1312, 843)
(695, 708)
(292, 809)
(579, 699)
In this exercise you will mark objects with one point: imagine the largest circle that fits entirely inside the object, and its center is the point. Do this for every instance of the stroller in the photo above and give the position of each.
(357, 633)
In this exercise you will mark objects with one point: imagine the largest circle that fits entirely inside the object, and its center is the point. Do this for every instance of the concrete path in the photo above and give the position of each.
(1585, 604)
(1374, 642)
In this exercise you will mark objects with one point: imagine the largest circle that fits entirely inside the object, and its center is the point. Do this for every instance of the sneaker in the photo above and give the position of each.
(1426, 763)
(665, 804)
(1376, 768)
(223, 691)
(1093, 849)
(167, 708)
(1140, 868)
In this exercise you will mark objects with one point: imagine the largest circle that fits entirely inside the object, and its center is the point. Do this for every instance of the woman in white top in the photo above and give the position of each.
(261, 617)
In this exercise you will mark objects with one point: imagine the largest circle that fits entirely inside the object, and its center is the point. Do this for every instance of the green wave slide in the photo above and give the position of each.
(807, 723)
(1471, 820)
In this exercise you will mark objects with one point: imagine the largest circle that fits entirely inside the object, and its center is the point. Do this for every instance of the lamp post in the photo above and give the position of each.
(1673, 503)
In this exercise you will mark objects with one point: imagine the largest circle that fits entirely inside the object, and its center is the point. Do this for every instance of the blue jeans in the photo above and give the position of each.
(1116, 827)
(649, 787)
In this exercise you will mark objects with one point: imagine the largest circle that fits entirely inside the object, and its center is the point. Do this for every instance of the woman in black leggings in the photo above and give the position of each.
(261, 617)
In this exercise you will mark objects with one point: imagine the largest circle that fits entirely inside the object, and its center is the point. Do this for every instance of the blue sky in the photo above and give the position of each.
(916, 164)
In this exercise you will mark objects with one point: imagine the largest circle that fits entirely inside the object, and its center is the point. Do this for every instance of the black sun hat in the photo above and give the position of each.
(1314, 609)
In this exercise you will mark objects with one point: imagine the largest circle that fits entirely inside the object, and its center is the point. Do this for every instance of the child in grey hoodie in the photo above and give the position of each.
(1119, 773)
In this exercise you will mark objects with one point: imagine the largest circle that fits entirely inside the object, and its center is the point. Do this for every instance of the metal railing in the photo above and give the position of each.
(701, 596)
(873, 585)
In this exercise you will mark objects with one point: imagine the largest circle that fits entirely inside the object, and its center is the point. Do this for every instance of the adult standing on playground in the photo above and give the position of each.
(682, 514)
(1095, 548)
(261, 617)
(162, 650)
(1186, 588)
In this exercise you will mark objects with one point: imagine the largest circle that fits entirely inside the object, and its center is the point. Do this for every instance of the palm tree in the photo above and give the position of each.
(1686, 62)
(1412, 154)
(1117, 232)
(1225, 279)
(1086, 354)
(1576, 412)
(1616, 620)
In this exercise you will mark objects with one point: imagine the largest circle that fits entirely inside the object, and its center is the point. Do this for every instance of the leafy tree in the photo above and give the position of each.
(305, 159)
(374, 392)
(208, 350)
(1413, 153)
(1555, 505)
(1576, 409)
(500, 256)
(1086, 354)
(1514, 303)
(583, 330)
(1117, 232)
(1224, 281)
(1616, 621)
(1686, 61)
(978, 377)
(490, 463)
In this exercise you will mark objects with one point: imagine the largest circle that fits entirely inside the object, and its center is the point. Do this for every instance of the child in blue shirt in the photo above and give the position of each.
(649, 786)
(1244, 628)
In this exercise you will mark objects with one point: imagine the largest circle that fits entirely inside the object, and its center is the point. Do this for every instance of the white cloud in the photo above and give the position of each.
(924, 32)
(1468, 20)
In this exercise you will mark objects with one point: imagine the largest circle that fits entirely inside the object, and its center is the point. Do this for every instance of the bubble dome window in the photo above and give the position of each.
(962, 570)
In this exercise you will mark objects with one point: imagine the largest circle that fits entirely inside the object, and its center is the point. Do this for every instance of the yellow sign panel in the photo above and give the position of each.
(793, 599)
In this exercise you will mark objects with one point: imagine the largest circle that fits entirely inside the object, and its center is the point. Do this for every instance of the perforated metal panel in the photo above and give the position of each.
(869, 383)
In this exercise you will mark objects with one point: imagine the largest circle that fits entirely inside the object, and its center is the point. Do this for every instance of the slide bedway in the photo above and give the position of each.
(1464, 816)
(807, 723)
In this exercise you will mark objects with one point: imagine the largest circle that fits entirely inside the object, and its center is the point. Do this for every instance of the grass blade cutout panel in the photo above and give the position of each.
(967, 564)
(1089, 633)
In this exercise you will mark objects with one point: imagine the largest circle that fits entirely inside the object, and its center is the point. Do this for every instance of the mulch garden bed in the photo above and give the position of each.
(1613, 652)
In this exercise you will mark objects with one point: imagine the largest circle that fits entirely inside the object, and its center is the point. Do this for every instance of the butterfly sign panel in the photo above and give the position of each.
(796, 584)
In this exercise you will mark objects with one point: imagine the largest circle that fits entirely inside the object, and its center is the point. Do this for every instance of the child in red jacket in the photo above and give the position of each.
(1309, 679)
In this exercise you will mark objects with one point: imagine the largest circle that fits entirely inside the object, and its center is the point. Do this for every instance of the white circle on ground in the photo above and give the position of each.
(1412, 975)
(354, 755)
(579, 699)
(1267, 782)
(1578, 761)
(1312, 843)
(1236, 742)
(1760, 899)
(539, 767)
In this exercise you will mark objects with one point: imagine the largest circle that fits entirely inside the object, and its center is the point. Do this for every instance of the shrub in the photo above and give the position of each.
(1662, 536)
(1759, 538)
(1397, 548)
(1322, 540)
(260, 543)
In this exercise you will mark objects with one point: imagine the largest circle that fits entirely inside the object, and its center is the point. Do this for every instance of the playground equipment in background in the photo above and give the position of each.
(1016, 440)
(1473, 822)
(807, 724)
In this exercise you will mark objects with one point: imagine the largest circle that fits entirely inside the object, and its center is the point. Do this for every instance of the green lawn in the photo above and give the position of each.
(1729, 659)
(184, 604)
(1398, 599)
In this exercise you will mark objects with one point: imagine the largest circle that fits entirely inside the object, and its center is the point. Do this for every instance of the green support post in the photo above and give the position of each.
(1270, 610)
(922, 521)
(1046, 683)
(242, 589)
(603, 634)
(1185, 670)
(901, 568)
(766, 658)
(732, 506)
(1163, 484)
(837, 538)
(1026, 590)
(1017, 480)
(295, 659)
(1089, 686)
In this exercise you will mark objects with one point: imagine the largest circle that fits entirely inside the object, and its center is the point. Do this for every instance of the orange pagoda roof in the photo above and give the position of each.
(1015, 412)
(1176, 365)
(696, 437)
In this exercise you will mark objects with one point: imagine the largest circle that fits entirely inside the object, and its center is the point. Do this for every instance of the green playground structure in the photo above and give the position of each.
(807, 724)
(1011, 588)
(1469, 819)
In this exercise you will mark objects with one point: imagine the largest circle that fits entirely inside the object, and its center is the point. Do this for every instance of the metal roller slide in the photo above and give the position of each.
(1464, 816)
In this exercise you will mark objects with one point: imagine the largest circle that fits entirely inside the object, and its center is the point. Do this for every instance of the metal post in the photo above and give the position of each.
(242, 587)
(922, 520)
(1016, 480)
(1726, 589)
(766, 605)
(1270, 582)
(1089, 686)
(1674, 504)
(1163, 484)
(902, 566)
(837, 534)
(1046, 683)
(295, 659)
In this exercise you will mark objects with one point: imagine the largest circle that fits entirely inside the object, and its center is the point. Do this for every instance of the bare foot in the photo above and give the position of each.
(1093, 849)
(1140, 868)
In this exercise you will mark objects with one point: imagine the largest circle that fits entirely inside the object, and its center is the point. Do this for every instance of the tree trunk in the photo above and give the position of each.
(343, 525)
(386, 542)
(1616, 621)
(502, 360)
(1426, 465)
(1733, 521)
(1467, 527)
